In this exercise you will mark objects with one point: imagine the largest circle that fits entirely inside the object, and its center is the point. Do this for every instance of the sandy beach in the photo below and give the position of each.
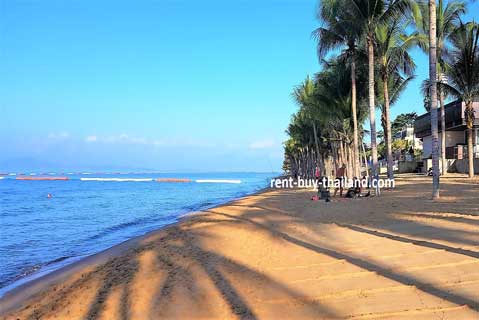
(279, 255)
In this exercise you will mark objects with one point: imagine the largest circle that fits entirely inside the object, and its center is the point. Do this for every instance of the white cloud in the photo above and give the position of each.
(127, 139)
(124, 138)
(262, 144)
(58, 135)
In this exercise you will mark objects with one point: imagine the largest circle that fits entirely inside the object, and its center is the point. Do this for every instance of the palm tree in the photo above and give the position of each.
(397, 83)
(298, 148)
(463, 76)
(321, 130)
(447, 18)
(341, 31)
(433, 97)
(334, 99)
(303, 95)
(392, 50)
(373, 13)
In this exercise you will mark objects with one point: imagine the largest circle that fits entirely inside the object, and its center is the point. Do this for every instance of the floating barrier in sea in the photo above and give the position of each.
(118, 179)
(217, 181)
(35, 178)
(166, 180)
(172, 180)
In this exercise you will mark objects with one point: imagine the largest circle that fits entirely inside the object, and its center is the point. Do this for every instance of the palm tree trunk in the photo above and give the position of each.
(433, 94)
(316, 143)
(352, 169)
(372, 108)
(356, 165)
(443, 134)
(388, 132)
(470, 152)
(335, 156)
(470, 135)
(322, 164)
(365, 159)
(341, 153)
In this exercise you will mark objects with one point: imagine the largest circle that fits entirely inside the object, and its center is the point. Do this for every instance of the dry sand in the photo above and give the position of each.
(279, 255)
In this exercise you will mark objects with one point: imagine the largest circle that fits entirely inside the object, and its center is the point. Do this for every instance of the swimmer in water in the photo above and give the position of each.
(49, 196)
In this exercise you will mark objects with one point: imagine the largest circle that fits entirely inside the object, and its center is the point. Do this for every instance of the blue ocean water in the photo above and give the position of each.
(40, 234)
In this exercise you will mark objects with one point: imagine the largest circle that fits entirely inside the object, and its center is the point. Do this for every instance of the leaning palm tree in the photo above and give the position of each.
(373, 13)
(463, 76)
(341, 31)
(392, 46)
(447, 18)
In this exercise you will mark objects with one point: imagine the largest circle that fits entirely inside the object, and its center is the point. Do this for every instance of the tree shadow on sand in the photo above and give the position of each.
(367, 265)
(177, 254)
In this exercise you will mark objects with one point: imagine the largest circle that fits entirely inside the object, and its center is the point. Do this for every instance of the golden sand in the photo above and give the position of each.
(279, 255)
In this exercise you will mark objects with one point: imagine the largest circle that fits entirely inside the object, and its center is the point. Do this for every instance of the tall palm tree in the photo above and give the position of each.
(334, 98)
(397, 83)
(303, 95)
(373, 13)
(463, 76)
(433, 97)
(341, 31)
(392, 46)
(447, 18)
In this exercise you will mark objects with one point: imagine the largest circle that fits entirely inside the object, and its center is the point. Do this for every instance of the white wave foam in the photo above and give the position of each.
(118, 179)
(218, 181)
(12, 174)
(1, 178)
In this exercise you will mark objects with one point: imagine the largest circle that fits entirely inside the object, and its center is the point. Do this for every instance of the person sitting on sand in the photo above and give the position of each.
(355, 191)
(323, 189)
(340, 176)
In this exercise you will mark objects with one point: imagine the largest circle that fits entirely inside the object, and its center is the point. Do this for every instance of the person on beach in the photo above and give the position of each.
(355, 191)
(340, 176)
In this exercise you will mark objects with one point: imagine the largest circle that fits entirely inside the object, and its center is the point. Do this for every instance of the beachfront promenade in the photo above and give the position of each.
(279, 255)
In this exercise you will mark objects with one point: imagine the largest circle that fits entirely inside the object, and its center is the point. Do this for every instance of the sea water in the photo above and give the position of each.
(39, 234)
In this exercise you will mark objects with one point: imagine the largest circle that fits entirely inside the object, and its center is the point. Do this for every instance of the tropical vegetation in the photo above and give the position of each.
(364, 51)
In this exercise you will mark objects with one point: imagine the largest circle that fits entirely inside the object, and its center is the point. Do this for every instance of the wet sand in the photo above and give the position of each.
(279, 255)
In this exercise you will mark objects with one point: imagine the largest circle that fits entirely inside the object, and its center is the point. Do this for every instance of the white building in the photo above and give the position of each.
(407, 133)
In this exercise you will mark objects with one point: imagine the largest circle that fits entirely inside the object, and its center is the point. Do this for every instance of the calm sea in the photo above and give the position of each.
(40, 234)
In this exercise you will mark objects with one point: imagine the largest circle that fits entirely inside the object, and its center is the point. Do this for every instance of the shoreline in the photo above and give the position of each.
(12, 298)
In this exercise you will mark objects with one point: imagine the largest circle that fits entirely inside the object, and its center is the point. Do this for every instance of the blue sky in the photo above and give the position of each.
(167, 85)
